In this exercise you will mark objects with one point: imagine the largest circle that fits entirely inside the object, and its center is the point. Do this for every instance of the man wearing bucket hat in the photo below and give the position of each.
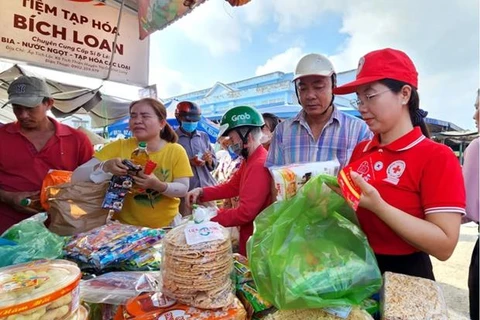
(33, 145)
(319, 132)
(416, 210)
(243, 125)
(198, 147)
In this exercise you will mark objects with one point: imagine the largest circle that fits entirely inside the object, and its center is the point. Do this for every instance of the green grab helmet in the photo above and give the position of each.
(237, 117)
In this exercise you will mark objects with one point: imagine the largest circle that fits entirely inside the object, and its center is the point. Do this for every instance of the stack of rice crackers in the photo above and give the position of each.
(198, 275)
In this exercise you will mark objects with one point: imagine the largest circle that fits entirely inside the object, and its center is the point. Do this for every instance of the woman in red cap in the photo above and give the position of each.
(417, 209)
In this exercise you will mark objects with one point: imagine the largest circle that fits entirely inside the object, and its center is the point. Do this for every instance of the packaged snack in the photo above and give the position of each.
(117, 190)
(405, 297)
(148, 259)
(197, 265)
(153, 306)
(110, 245)
(117, 287)
(246, 289)
(355, 314)
(290, 178)
(370, 168)
(44, 289)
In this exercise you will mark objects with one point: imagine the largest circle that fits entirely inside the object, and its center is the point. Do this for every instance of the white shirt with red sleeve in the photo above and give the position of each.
(422, 177)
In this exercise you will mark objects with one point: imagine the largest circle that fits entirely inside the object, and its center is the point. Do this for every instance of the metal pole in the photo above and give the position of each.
(115, 40)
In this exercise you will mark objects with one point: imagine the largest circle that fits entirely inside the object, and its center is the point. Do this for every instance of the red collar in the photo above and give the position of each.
(257, 153)
(60, 130)
(405, 142)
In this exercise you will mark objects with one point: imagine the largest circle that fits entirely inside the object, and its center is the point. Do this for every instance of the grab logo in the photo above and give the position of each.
(244, 116)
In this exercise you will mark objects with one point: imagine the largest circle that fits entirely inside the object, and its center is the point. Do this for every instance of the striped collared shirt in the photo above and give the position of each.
(293, 141)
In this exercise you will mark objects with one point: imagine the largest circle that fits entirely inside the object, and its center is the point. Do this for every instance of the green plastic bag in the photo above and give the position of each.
(34, 242)
(308, 252)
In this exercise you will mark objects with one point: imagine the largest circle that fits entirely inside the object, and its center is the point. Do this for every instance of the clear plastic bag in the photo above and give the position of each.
(308, 252)
(117, 287)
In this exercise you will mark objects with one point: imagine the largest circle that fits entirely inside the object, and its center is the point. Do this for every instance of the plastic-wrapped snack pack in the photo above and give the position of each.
(355, 314)
(290, 178)
(411, 298)
(117, 287)
(198, 264)
(111, 245)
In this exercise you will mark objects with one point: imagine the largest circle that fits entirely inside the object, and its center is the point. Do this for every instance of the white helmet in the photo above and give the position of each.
(313, 64)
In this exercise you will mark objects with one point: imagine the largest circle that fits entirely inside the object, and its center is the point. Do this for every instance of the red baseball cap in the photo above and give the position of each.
(382, 64)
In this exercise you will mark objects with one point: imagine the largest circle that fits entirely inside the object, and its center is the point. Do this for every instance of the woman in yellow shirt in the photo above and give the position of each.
(168, 182)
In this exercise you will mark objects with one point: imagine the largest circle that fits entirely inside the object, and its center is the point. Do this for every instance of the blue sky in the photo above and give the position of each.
(201, 65)
(219, 43)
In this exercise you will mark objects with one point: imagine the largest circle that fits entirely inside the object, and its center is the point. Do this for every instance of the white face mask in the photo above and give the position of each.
(265, 138)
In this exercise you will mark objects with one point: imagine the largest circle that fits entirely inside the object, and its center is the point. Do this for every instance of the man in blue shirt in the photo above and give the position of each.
(198, 147)
(319, 132)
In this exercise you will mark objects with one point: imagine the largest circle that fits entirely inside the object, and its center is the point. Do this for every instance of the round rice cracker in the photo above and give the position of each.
(199, 288)
(194, 267)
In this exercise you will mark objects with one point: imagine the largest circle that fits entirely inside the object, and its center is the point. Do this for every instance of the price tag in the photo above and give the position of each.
(203, 232)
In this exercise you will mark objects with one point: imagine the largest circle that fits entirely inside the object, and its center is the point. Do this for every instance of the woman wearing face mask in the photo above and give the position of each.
(415, 211)
(251, 182)
(158, 205)
(197, 144)
(271, 122)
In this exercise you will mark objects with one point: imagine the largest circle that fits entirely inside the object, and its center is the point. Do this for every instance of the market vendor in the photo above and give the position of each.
(158, 205)
(416, 210)
(31, 146)
(251, 182)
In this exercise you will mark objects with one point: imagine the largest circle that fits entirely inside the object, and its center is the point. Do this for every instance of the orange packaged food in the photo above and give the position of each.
(153, 306)
(53, 178)
(289, 179)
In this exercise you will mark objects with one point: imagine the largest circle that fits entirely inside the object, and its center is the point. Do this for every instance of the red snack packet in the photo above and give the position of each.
(371, 168)
(149, 167)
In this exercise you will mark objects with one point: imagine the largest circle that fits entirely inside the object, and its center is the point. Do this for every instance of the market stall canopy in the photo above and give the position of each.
(156, 15)
(457, 137)
(92, 136)
(69, 100)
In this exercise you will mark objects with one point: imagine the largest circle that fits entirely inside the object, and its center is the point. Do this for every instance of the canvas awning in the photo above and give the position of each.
(69, 99)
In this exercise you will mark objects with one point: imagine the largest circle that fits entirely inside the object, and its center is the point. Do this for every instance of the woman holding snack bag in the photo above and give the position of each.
(156, 205)
(410, 191)
(251, 182)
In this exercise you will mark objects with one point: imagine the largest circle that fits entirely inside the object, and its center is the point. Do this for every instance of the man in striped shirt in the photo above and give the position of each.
(319, 132)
